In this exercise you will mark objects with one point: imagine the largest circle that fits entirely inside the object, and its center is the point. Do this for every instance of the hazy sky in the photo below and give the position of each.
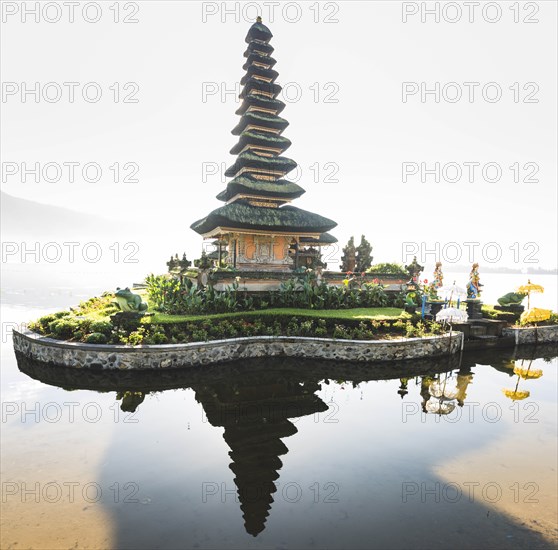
(351, 151)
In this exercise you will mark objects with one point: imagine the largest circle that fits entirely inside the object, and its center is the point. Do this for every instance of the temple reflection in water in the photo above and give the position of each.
(256, 401)
(255, 412)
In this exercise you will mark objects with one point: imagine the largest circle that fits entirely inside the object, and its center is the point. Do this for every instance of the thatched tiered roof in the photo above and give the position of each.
(242, 215)
(247, 185)
(258, 191)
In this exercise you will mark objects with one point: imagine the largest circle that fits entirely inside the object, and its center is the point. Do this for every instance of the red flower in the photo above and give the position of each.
(425, 281)
(375, 281)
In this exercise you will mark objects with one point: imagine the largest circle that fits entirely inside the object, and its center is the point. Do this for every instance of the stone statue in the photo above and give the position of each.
(173, 262)
(319, 275)
(348, 260)
(128, 301)
(184, 263)
(511, 299)
(473, 286)
(403, 391)
(203, 277)
(438, 278)
(414, 270)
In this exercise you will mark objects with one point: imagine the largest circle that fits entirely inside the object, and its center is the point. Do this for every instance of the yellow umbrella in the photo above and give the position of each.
(535, 315)
(516, 395)
(526, 374)
(528, 288)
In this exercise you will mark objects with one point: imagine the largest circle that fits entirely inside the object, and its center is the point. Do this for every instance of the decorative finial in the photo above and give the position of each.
(258, 19)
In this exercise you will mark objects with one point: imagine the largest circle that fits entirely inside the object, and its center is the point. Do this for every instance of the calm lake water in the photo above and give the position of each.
(278, 454)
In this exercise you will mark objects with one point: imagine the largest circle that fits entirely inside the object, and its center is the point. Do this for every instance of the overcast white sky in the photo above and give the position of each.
(362, 57)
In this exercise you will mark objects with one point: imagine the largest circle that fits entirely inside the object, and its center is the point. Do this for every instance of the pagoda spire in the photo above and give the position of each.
(258, 194)
(260, 143)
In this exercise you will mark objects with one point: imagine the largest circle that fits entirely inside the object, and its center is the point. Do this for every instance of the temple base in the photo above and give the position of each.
(270, 281)
(266, 268)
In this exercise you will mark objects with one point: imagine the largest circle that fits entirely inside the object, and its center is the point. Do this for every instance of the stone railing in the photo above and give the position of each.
(79, 355)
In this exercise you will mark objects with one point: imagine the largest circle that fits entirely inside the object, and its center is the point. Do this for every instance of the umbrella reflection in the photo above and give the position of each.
(440, 395)
(439, 406)
(522, 373)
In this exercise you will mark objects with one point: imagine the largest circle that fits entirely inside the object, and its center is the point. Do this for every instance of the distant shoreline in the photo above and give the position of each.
(502, 270)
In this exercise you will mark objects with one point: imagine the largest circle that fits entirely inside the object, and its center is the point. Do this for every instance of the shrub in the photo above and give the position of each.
(435, 328)
(306, 328)
(61, 314)
(63, 328)
(156, 338)
(135, 338)
(96, 338)
(422, 329)
(341, 332)
(42, 324)
(200, 335)
(488, 312)
(169, 295)
(104, 327)
(375, 295)
(362, 332)
(414, 331)
(102, 305)
(389, 269)
(293, 328)
(397, 300)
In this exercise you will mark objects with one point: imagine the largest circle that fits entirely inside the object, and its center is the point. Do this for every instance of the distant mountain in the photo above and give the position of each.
(23, 218)
(121, 252)
(456, 268)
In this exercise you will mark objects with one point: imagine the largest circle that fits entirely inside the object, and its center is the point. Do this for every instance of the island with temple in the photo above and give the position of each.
(265, 290)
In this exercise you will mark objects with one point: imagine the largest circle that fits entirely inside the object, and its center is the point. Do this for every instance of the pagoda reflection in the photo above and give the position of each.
(255, 413)
(257, 400)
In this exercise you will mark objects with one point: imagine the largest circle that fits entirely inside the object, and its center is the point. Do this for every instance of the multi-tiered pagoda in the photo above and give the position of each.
(258, 227)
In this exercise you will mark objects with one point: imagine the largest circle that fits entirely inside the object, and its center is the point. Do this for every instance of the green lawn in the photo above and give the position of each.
(380, 313)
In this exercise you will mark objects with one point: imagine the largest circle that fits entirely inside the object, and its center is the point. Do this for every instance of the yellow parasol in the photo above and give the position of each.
(535, 315)
(516, 395)
(528, 288)
(526, 374)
